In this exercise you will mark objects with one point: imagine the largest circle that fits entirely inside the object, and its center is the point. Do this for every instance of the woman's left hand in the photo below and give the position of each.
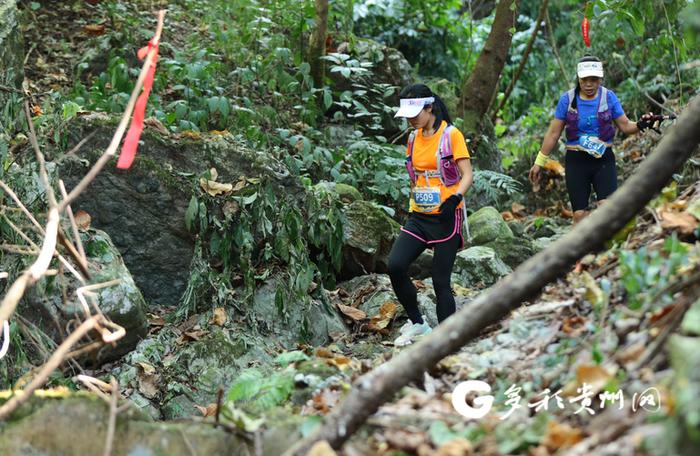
(447, 208)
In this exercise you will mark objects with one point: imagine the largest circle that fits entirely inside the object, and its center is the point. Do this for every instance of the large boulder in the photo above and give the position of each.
(479, 266)
(169, 384)
(488, 228)
(289, 321)
(143, 208)
(122, 303)
(77, 425)
(369, 234)
(11, 50)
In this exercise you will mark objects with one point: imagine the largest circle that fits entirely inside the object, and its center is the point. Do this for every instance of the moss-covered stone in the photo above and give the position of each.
(479, 266)
(487, 225)
(344, 192)
(122, 302)
(488, 228)
(11, 50)
(369, 234)
(78, 426)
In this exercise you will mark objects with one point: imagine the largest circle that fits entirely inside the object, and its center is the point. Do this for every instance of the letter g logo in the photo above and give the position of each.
(459, 399)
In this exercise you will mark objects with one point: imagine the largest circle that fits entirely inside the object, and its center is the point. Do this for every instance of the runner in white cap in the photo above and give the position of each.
(589, 113)
(437, 161)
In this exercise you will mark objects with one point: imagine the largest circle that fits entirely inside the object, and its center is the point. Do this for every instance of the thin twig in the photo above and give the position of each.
(43, 375)
(80, 144)
(35, 272)
(76, 234)
(50, 195)
(112, 417)
(96, 386)
(40, 230)
(121, 128)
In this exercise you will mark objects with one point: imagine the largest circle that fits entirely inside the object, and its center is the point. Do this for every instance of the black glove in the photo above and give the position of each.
(646, 121)
(447, 208)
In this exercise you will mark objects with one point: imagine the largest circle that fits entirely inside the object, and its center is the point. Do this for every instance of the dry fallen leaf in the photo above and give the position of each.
(148, 384)
(507, 216)
(680, 221)
(353, 313)
(595, 376)
(555, 167)
(574, 325)
(323, 352)
(518, 210)
(561, 435)
(214, 188)
(219, 317)
(209, 410)
(147, 368)
(341, 362)
(82, 219)
(386, 314)
(94, 29)
(242, 182)
(154, 123)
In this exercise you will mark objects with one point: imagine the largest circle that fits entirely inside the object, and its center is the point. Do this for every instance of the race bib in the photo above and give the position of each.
(427, 199)
(592, 145)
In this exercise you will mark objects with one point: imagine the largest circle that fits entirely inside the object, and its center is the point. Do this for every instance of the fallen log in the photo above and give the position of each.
(379, 385)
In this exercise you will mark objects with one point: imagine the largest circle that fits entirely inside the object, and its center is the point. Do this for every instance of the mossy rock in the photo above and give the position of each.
(344, 192)
(369, 234)
(78, 426)
(486, 225)
(479, 266)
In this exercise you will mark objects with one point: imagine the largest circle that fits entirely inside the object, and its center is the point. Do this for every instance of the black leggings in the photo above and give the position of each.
(404, 252)
(583, 170)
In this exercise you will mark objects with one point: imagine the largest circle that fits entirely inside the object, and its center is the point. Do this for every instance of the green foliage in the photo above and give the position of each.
(438, 37)
(646, 273)
(494, 187)
(249, 234)
(257, 392)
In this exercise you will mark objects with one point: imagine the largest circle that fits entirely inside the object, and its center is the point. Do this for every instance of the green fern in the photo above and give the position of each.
(494, 186)
(258, 391)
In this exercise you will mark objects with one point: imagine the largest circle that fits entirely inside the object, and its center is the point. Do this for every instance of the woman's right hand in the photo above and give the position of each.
(535, 174)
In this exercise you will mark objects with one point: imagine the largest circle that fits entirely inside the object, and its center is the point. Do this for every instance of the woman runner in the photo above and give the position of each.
(441, 173)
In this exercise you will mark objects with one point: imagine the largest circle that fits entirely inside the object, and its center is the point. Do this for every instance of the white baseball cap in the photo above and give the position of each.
(585, 69)
(411, 107)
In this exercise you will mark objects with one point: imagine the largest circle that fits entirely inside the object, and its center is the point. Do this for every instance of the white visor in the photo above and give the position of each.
(585, 69)
(411, 107)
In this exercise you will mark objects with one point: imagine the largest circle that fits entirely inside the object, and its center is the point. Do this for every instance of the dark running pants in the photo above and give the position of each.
(404, 252)
(583, 171)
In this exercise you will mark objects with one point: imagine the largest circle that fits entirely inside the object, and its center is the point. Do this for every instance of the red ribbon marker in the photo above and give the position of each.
(585, 27)
(131, 143)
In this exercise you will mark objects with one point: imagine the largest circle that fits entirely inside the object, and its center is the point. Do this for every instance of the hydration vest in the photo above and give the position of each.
(606, 130)
(447, 169)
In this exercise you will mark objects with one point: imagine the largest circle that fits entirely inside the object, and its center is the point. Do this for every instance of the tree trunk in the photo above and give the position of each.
(540, 18)
(381, 384)
(481, 85)
(317, 43)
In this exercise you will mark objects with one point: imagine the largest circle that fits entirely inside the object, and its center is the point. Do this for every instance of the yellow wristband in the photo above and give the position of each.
(541, 159)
